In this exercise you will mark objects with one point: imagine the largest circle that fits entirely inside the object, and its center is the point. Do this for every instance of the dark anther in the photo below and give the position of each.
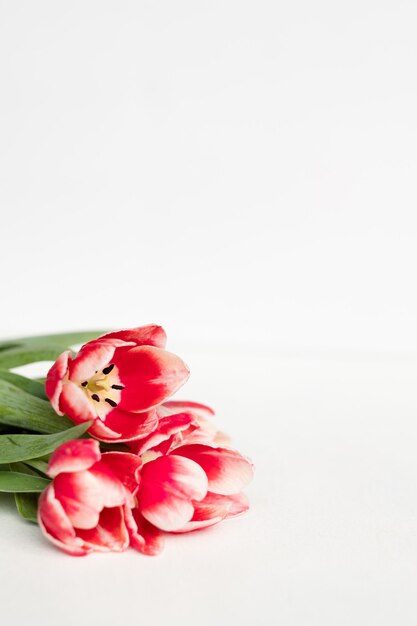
(84, 384)
(95, 397)
(117, 387)
(111, 402)
(108, 369)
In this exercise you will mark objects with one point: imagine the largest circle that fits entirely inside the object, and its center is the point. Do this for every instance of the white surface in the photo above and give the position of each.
(238, 171)
(244, 174)
(332, 534)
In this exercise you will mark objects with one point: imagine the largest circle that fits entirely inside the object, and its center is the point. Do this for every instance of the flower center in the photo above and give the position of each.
(103, 389)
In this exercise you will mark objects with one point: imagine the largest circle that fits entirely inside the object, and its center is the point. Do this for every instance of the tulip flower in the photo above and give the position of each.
(117, 381)
(184, 487)
(84, 508)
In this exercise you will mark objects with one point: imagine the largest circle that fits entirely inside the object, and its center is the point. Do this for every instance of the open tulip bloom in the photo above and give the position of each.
(117, 462)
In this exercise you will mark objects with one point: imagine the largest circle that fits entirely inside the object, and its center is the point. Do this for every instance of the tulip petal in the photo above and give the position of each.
(143, 536)
(74, 403)
(169, 483)
(125, 466)
(227, 470)
(150, 375)
(182, 406)
(74, 456)
(56, 526)
(93, 356)
(212, 506)
(167, 426)
(209, 511)
(81, 497)
(239, 504)
(149, 335)
(54, 379)
(102, 433)
(191, 526)
(112, 489)
(129, 426)
(202, 431)
(213, 509)
(110, 534)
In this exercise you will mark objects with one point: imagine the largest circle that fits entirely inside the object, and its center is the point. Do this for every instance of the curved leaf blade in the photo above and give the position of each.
(27, 506)
(15, 448)
(19, 408)
(34, 387)
(24, 350)
(14, 482)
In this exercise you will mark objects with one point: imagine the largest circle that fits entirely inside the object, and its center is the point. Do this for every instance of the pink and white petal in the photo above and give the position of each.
(209, 511)
(191, 526)
(215, 508)
(164, 510)
(202, 431)
(126, 467)
(149, 335)
(74, 403)
(167, 426)
(110, 534)
(228, 472)
(168, 486)
(112, 489)
(212, 506)
(56, 526)
(102, 433)
(150, 375)
(81, 497)
(143, 536)
(239, 504)
(54, 379)
(53, 517)
(93, 356)
(182, 406)
(74, 456)
(131, 426)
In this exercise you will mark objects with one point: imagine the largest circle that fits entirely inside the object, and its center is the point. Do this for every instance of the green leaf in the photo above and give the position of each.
(27, 354)
(34, 387)
(18, 408)
(27, 505)
(63, 339)
(15, 448)
(13, 482)
(15, 352)
(38, 464)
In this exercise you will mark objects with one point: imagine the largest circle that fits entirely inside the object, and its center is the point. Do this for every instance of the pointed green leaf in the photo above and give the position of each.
(15, 448)
(15, 352)
(34, 387)
(20, 409)
(27, 505)
(38, 464)
(13, 482)
(24, 354)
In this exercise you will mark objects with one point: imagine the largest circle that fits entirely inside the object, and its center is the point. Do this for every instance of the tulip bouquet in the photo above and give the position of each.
(99, 456)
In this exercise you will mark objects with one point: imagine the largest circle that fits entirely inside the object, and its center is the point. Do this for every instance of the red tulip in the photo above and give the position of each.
(117, 381)
(184, 486)
(84, 508)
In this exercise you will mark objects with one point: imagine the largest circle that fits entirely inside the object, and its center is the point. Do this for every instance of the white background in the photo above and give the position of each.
(243, 173)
